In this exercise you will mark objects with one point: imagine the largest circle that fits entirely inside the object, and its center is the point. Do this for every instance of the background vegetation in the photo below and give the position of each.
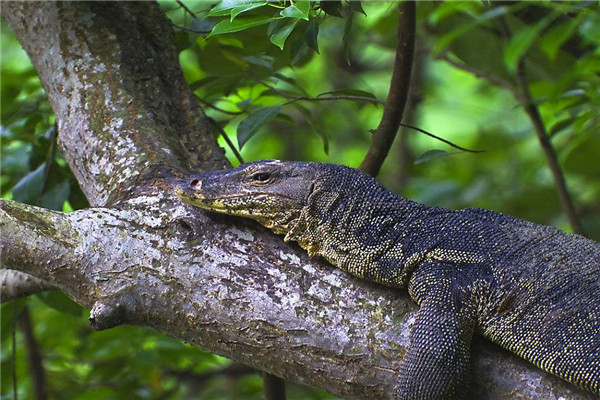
(305, 81)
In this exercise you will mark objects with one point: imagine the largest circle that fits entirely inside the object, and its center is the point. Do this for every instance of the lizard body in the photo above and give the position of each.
(532, 289)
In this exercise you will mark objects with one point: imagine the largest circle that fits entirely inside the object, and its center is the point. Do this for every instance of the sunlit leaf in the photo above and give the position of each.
(299, 9)
(226, 7)
(246, 7)
(239, 24)
(257, 119)
(278, 37)
(521, 41)
(553, 39)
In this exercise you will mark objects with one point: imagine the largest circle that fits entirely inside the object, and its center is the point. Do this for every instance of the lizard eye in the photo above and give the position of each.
(261, 177)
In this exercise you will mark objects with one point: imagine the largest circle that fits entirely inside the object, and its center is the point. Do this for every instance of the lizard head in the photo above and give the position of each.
(269, 191)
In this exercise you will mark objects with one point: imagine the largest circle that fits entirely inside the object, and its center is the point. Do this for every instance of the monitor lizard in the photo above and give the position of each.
(532, 289)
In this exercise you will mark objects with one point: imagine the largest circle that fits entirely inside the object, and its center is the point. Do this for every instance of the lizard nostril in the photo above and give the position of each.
(194, 183)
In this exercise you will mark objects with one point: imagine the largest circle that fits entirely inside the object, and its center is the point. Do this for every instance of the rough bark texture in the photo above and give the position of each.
(127, 123)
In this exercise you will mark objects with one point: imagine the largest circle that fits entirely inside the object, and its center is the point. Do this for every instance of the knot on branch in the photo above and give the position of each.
(106, 315)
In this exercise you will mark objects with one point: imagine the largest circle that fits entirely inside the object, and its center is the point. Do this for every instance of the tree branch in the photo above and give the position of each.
(15, 284)
(269, 307)
(385, 133)
(139, 99)
(294, 99)
(127, 124)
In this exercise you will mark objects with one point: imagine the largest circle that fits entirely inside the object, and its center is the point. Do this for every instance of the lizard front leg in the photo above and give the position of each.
(438, 365)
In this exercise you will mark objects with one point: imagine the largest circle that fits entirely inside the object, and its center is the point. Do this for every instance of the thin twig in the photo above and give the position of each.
(328, 98)
(526, 99)
(440, 139)
(185, 8)
(384, 135)
(209, 105)
(229, 142)
(334, 98)
(183, 28)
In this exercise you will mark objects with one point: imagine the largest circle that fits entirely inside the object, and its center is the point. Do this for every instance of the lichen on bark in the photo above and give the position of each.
(128, 126)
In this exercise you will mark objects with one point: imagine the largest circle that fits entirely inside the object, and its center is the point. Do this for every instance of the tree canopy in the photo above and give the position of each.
(510, 90)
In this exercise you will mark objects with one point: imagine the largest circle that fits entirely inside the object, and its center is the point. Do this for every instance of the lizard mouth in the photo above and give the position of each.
(219, 202)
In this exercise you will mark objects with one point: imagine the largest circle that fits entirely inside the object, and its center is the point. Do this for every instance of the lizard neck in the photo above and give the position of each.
(352, 228)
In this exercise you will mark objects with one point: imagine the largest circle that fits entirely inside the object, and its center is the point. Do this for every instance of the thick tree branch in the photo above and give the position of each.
(385, 133)
(203, 279)
(15, 284)
(126, 122)
(122, 105)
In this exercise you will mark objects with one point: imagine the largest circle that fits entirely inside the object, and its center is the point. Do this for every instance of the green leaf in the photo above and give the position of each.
(248, 127)
(60, 302)
(278, 37)
(239, 24)
(522, 40)
(55, 196)
(589, 28)
(562, 125)
(347, 39)
(320, 133)
(447, 39)
(331, 7)
(356, 6)
(552, 40)
(246, 7)
(430, 155)
(311, 34)
(201, 82)
(227, 7)
(29, 187)
(299, 9)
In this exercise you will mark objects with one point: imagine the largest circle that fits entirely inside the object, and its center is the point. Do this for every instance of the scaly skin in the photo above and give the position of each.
(530, 288)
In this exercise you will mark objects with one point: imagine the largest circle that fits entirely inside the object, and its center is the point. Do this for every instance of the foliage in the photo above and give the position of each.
(305, 80)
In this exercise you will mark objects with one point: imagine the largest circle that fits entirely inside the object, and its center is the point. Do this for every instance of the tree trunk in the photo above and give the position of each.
(128, 126)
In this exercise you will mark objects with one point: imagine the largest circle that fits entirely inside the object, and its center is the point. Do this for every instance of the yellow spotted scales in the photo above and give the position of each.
(530, 288)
